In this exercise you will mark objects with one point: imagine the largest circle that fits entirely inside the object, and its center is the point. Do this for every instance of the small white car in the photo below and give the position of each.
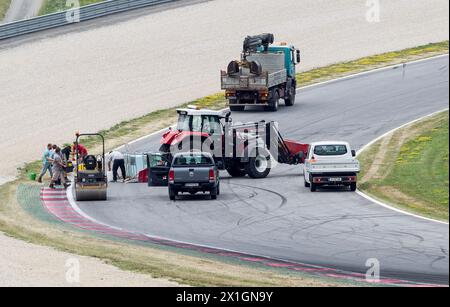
(331, 163)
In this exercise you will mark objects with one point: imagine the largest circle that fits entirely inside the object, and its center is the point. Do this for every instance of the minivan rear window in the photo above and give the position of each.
(330, 150)
(193, 160)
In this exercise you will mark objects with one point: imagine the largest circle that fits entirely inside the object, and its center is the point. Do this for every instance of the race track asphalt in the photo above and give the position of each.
(277, 217)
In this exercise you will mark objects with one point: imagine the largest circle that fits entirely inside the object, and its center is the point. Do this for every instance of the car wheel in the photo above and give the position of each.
(214, 193)
(172, 194)
(306, 183)
(353, 187)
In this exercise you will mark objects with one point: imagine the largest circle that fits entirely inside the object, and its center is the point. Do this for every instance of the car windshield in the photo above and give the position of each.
(192, 160)
(330, 150)
(205, 123)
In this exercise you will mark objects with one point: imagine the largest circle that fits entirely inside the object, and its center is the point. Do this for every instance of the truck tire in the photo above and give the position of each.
(353, 187)
(172, 194)
(260, 166)
(290, 99)
(214, 193)
(236, 170)
(274, 102)
(313, 187)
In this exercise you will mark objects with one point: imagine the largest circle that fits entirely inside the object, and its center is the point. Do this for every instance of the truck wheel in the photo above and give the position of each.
(172, 194)
(260, 166)
(290, 100)
(274, 102)
(236, 170)
(313, 187)
(353, 187)
(214, 193)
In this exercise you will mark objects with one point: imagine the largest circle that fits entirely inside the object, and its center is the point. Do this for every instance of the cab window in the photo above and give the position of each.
(330, 150)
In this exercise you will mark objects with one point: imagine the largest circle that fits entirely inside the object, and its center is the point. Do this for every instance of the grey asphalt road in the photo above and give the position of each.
(22, 9)
(277, 217)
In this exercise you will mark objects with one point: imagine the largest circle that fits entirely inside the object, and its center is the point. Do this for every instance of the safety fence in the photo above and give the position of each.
(135, 163)
(73, 15)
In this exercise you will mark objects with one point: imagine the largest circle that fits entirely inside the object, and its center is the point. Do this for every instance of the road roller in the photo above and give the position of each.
(91, 182)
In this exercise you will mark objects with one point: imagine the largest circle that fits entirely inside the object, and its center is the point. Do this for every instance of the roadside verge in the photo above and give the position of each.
(407, 169)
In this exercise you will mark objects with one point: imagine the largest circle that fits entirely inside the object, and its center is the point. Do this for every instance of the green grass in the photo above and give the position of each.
(22, 221)
(53, 6)
(4, 5)
(417, 167)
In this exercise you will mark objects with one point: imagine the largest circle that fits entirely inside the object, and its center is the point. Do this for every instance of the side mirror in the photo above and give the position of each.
(299, 58)
(353, 153)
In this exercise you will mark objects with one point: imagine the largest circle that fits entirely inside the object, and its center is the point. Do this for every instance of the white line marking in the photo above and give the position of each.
(379, 138)
(77, 209)
(372, 71)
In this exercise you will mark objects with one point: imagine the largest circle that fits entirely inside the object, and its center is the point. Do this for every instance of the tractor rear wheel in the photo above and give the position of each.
(236, 170)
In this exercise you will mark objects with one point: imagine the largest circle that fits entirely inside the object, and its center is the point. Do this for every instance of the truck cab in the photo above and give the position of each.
(291, 56)
(330, 163)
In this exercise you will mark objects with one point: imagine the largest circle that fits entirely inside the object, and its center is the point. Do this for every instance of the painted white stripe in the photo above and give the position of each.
(373, 71)
(381, 137)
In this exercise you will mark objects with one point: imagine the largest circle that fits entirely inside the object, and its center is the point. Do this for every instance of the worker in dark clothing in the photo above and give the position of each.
(117, 160)
(66, 151)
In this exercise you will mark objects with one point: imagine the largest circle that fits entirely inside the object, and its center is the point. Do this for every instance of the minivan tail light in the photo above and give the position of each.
(212, 175)
(171, 176)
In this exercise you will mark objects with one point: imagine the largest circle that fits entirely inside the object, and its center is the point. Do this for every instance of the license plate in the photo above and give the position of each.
(335, 179)
(191, 185)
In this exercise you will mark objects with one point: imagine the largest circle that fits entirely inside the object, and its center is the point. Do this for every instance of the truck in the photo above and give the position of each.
(239, 148)
(265, 74)
(193, 172)
(330, 163)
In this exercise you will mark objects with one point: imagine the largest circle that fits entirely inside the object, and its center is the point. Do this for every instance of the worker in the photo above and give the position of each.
(58, 169)
(46, 163)
(117, 160)
(66, 151)
(82, 151)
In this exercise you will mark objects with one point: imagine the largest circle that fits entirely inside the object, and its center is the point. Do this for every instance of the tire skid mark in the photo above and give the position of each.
(61, 209)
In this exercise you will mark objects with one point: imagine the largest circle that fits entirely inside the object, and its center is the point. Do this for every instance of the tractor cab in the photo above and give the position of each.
(197, 122)
(204, 121)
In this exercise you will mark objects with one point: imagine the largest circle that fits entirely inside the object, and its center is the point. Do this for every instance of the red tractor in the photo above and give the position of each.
(250, 149)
